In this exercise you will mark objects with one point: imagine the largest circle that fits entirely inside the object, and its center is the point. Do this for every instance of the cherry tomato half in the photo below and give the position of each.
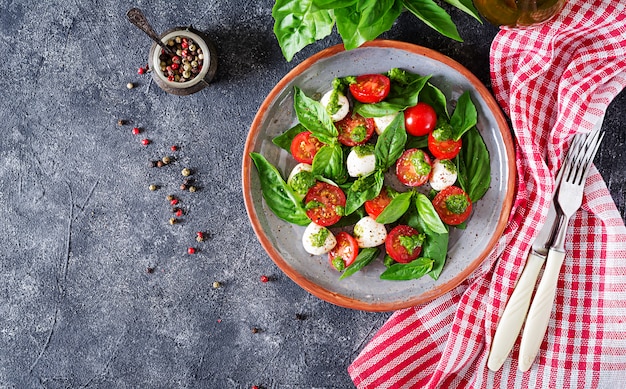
(345, 251)
(376, 205)
(413, 167)
(355, 130)
(370, 88)
(404, 243)
(324, 203)
(304, 146)
(442, 145)
(453, 205)
(420, 119)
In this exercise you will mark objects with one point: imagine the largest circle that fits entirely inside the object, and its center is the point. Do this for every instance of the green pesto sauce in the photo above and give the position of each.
(313, 205)
(362, 151)
(449, 165)
(333, 103)
(318, 239)
(443, 131)
(412, 242)
(457, 204)
(339, 263)
(419, 163)
(358, 134)
(302, 181)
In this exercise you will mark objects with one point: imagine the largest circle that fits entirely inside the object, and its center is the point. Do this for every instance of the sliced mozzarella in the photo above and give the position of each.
(342, 102)
(443, 174)
(383, 121)
(297, 169)
(360, 165)
(369, 233)
(318, 240)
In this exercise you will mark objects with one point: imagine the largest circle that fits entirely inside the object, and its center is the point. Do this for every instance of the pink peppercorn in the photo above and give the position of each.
(264, 278)
(174, 201)
(141, 71)
(145, 142)
(136, 131)
(174, 148)
(191, 250)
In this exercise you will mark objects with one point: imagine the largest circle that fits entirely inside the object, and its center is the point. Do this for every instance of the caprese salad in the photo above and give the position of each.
(380, 164)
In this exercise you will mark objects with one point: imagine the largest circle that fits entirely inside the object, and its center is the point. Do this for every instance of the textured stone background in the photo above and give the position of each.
(77, 306)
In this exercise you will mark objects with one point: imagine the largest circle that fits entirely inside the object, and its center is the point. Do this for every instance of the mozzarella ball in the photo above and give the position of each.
(383, 121)
(361, 161)
(369, 233)
(342, 103)
(318, 240)
(443, 174)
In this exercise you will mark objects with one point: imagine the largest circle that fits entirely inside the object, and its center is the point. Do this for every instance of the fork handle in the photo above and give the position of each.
(513, 316)
(540, 310)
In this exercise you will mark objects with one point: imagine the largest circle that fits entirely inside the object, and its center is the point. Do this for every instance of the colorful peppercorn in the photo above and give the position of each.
(191, 250)
(136, 130)
(145, 142)
(187, 53)
(264, 278)
(185, 172)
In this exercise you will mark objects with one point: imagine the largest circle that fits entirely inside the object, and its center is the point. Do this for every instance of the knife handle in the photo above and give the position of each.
(540, 310)
(514, 313)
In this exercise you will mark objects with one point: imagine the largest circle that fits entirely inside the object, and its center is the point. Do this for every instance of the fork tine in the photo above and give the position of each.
(586, 157)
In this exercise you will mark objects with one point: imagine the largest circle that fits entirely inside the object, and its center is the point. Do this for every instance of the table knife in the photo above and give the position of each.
(516, 308)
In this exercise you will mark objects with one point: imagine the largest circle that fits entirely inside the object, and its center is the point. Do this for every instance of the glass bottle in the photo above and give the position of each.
(518, 13)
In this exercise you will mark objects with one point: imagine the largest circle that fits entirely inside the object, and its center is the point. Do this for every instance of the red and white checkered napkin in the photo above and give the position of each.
(552, 81)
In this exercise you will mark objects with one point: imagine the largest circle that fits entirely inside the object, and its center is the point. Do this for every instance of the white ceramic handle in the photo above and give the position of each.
(540, 310)
(513, 316)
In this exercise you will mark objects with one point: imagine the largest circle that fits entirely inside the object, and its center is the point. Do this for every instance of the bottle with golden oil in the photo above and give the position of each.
(518, 13)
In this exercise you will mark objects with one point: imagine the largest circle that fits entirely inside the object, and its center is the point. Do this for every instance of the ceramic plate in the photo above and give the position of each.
(365, 290)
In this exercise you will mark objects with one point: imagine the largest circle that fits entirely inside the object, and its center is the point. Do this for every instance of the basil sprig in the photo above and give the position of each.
(298, 23)
(390, 144)
(280, 198)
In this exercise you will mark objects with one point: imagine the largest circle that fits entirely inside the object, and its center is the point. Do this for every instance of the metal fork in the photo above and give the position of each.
(569, 199)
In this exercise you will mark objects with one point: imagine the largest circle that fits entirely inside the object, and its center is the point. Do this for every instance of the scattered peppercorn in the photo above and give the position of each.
(145, 142)
(179, 212)
(173, 220)
(264, 278)
(153, 187)
(174, 201)
(153, 164)
(169, 197)
(183, 187)
(130, 85)
(185, 172)
(191, 250)
(192, 188)
(166, 160)
(121, 122)
(160, 163)
(174, 148)
(200, 236)
(141, 71)
(216, 284)
(136, 130)
(254, 330)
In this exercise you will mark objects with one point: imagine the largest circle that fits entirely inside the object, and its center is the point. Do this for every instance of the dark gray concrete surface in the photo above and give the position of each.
(80, 228)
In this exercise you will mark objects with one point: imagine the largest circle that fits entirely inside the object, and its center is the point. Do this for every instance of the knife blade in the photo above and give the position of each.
(516, 308)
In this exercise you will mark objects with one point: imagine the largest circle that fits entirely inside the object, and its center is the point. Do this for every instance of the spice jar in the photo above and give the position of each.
(518, 13)
(191, 69)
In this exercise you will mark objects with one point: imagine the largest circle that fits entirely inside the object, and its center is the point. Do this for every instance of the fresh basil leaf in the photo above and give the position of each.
(350, 219)
(434, 17)
(427, 212)
(408, 271)
(279, 197)
(329, 162)
(396, 208)
(434, 97)
(298, 23)
(473, 165)
(390, 143)
(284, 140)
(466, 6)
(363, 189)
(313, 116)
(366, 20)
(464, 116)
(363, 259)
(333, 4)
(377, 110)
(388, 261)
(416, 142)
